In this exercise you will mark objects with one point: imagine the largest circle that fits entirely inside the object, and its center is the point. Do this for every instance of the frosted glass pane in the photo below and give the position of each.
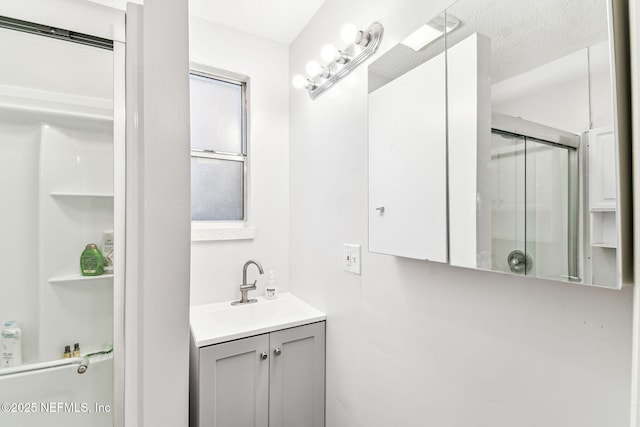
(216, 190)
(216, 115)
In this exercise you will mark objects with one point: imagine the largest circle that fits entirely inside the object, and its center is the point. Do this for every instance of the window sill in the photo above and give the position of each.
(210, 231)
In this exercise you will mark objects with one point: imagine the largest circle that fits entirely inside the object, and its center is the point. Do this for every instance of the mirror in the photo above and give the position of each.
(536, 143)
(537, 180)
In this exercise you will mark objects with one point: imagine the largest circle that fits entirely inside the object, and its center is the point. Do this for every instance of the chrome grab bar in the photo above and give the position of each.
(82, 362)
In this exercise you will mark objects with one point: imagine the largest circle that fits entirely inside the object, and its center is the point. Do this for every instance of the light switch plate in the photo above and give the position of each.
(351, 258)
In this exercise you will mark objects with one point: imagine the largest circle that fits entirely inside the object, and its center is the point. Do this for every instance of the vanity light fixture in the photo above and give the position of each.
(362, 44)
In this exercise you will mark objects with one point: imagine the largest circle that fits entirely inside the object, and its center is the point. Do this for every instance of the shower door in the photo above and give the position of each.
(62, 188)
(534, 206)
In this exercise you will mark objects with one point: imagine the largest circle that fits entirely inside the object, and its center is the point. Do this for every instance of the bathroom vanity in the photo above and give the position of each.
(257, 365)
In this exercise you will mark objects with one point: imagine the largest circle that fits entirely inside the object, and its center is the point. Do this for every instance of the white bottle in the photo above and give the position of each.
(11, 344)
(271, 290)
(107, 251)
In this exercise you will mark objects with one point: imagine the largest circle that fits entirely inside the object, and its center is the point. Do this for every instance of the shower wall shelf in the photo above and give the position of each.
(77, 278)
(67, 107)
(603, 229)
(79, 194)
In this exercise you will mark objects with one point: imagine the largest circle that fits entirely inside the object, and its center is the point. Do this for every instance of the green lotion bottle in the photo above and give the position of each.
(91, 261)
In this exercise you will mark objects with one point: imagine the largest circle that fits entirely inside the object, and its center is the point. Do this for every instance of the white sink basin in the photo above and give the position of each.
(219, 322)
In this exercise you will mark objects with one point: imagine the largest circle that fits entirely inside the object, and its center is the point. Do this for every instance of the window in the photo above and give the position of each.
(219, 158)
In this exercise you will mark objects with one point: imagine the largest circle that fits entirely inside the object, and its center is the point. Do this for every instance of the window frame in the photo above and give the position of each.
(226, 229)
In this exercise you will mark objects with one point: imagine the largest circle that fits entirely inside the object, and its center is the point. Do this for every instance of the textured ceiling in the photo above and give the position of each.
(524, 34)
(277, 20)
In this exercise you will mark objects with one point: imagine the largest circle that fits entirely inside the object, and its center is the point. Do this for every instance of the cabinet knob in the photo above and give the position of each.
(277, 351)
(263, 355)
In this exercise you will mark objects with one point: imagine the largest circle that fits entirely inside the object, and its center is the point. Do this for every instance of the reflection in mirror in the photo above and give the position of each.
(535, 141)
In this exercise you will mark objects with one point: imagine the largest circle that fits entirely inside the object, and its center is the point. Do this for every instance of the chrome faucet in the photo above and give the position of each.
(245, 287)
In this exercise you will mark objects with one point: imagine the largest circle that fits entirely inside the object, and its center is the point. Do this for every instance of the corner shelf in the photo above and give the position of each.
(604, 245)
(79, 195)
(77, 278)
(604, 229)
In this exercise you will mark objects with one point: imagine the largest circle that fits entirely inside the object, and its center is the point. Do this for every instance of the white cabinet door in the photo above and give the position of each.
(470, 170)
(234, 384)
(408, 165)
(297, 377)
(602, 170)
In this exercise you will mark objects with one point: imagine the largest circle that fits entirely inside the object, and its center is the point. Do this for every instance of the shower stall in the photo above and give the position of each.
(62, 187)
(534, 189)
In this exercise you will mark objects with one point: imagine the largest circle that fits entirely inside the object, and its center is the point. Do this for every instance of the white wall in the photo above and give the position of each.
(19, 162)
(216, 267)
(572, 93)
(418, 343)
(555, 94)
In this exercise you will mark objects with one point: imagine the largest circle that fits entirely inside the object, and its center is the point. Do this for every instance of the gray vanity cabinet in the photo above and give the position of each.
(268, 380)
(233, 384)
(296, 383)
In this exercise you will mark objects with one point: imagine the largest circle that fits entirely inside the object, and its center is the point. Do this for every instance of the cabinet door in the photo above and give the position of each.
(296, 388)
(407, 165)
(602, 170)
(234, 384)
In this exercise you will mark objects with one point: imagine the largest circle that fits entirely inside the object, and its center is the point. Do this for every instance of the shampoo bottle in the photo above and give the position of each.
(11, 344)
(271, 290)
(107, 251)
(91, 261)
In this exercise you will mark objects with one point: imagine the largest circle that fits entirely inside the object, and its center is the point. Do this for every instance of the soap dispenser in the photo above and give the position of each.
(271, 290)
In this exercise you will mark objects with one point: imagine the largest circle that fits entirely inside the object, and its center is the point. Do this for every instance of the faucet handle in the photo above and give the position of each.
(249, 287)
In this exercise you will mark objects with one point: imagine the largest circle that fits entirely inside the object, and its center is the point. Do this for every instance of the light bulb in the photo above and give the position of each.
(313, 68)
(328, 52)
(298, 81)
(348, 33)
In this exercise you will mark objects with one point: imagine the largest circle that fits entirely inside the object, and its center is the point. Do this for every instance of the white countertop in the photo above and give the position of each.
(220, 322)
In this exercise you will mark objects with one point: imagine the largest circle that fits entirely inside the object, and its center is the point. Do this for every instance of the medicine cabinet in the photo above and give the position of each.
(535, 142)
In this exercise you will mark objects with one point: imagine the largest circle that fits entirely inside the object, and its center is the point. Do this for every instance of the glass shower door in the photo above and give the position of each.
(59, 141)
(534, 206)
(508, 188)
(551, 209)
